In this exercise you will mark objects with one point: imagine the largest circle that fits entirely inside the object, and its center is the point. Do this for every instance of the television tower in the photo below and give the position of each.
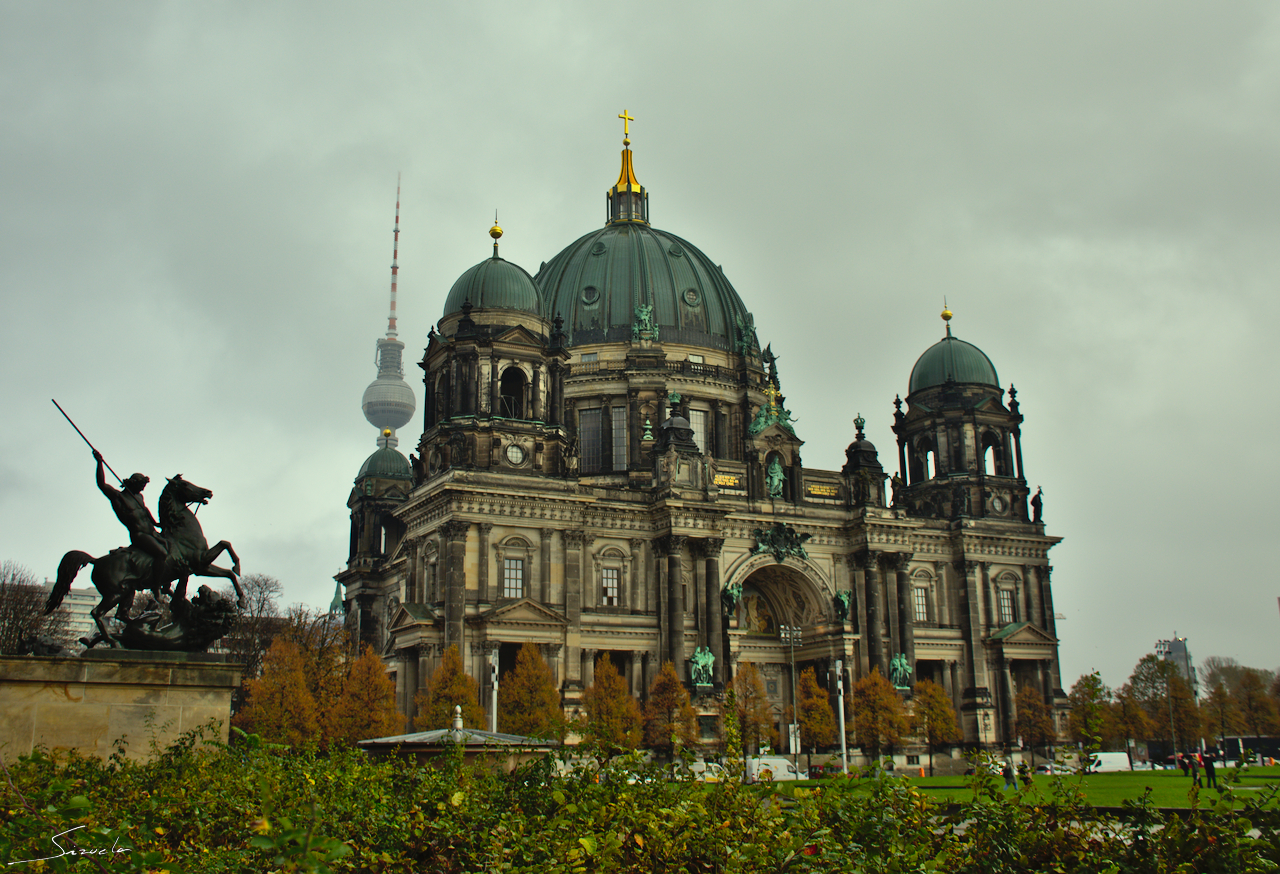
(388, 401)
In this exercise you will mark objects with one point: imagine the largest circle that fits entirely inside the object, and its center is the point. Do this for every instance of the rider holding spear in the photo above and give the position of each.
(137, 519)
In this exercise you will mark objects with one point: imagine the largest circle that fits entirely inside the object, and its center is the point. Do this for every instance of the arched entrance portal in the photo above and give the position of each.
(783, 623)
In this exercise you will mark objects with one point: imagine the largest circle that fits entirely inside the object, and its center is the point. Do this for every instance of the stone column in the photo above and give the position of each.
(971, 625)
(544, 567)
(535, 392)
(992, 611)
(721, 419)
(635, 675)
(483, 592)
(901, 563)
(675, 603)
(869, 562)
(635, 427)
(574, 543)
(551, 652)
(1006, 694)
(635, 585)
(455, 534)
(711, 548)
(945, 611)
(589, 667)
(409, 666)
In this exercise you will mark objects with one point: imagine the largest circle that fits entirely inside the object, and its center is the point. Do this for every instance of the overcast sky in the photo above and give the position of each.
(196, 203)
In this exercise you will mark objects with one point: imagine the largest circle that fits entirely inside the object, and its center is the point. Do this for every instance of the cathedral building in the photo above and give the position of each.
(607, 465)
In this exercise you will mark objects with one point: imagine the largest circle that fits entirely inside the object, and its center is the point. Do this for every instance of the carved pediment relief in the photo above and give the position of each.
(525, 611)
(519, 336)
(1021, 634)
(410, 615)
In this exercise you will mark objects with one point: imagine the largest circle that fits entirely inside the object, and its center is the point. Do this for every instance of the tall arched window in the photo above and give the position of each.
(511, 393)
(993, 454)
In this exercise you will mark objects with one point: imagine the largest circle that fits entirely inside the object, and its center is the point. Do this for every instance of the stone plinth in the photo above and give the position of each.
(88, 702)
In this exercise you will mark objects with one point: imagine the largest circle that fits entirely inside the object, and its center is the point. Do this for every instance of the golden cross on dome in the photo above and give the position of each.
(772, 394)
(626, 123)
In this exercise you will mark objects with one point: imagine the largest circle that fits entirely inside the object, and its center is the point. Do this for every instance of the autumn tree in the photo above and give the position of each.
(450, 686)
(1221, 716)
(1159, 689)
(669, 717)
(1034, 722)
(817, 719)
(257, 624)
(326, 642)
(22, 616)
(877, 713)
(1129, 719)
(366, 707)
(755, 716)
(1089, 721)
(528, 702)
(613, 716)
(1221, 669)
(279, 705)
(933, 717)
(1256, 708)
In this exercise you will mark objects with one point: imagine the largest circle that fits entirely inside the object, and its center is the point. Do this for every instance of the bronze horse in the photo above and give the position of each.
(121, 572)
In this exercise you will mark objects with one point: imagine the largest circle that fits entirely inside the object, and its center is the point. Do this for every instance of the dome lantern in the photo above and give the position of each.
(627, 201)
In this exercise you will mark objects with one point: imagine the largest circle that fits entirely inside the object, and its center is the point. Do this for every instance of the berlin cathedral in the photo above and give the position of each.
(607, 465)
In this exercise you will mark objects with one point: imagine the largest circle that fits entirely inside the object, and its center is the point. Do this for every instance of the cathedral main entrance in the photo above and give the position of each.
(784, 624)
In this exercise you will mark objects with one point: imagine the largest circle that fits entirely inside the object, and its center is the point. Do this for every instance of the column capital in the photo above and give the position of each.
(485, 528)
(455, 528)
(675, 543)
(897, 561)
(710, 546)
(865, 560)
(546, 533)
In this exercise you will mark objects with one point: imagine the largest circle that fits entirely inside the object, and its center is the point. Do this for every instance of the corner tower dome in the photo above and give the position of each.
(597, 282)
(495, 284)
(952, 359)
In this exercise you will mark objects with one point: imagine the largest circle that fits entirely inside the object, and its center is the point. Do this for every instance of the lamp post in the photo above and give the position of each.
(791, 635)
(844, 749)
(493, 709)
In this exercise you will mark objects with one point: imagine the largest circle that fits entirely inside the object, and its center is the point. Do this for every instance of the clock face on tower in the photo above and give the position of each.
(515, 454)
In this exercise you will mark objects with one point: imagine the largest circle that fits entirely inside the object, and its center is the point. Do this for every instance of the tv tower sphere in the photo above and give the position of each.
(388, 401)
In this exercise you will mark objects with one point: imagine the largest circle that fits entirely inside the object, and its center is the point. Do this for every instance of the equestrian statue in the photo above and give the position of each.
(158, 554)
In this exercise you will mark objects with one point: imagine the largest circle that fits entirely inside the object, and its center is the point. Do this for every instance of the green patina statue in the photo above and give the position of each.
(774, 478)
(900, 672)
(702, 661)
(780, 541)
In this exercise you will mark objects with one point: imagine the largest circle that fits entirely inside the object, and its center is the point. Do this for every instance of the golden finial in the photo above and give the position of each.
(386, 432)
(772, 394)
(495, 231)
(626, 127)
(946, 313)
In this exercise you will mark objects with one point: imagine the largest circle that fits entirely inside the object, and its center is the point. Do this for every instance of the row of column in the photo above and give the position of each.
(460, 392)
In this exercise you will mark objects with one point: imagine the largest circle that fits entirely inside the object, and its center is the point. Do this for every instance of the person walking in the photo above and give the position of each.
(1210, 778)
(1007, 773)
(1193, 762)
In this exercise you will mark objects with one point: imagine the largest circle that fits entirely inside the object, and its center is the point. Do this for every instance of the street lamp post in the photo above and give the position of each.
(791, 635)
(844, 749)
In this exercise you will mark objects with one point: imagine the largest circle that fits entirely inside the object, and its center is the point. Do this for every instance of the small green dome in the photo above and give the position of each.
(494, 284)
(386, 463)
(952, 358)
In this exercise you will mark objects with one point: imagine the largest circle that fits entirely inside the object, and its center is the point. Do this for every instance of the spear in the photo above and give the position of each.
(86, 440)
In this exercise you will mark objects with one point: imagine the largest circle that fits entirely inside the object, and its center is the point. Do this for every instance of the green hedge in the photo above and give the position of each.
(205, 807)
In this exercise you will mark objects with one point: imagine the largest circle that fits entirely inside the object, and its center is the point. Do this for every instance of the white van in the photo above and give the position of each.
(773, 768)
(1109, 762)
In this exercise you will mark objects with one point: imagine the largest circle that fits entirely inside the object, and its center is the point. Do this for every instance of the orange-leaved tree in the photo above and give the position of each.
(669, 717)
(817, 719)
(933, 717)
(280, 706)
(366, 707)
(450, 686)
(1034, 722)
(613, 716)
(755, 716)
(877, 713)
(528, 703)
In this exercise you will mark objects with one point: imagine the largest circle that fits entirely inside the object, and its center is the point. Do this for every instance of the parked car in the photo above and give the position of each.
(773, 768)
(705, 772)
(1052, 768)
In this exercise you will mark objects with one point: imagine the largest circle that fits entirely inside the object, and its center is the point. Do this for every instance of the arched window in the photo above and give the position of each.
(511, 393)
(993, 454)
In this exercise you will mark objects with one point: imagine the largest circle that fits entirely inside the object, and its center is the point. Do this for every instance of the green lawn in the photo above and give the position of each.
(1169, 788)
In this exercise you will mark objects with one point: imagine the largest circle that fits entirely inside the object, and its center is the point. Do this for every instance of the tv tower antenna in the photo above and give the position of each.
(395, 267)
(388, 401)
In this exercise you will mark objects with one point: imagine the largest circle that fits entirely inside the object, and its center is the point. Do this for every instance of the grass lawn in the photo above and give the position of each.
(1169, 788)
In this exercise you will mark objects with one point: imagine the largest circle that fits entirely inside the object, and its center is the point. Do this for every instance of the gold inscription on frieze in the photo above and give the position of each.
(729, 480)
(819, 491)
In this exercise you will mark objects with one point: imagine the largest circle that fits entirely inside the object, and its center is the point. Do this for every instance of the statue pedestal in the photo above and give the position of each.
(87, 702)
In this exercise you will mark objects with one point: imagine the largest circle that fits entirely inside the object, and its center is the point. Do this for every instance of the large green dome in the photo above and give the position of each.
(494, 284)
(597, 282)
(952, 358)
(386, 463)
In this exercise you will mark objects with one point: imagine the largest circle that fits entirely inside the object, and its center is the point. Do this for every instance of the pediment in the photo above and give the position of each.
(519, 336)
(412, 615)
(525, 611)
(991, 403)
(776, 435)
(1023, 634)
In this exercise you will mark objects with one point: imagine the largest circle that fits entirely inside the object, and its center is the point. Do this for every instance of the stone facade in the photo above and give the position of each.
(598, 478)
